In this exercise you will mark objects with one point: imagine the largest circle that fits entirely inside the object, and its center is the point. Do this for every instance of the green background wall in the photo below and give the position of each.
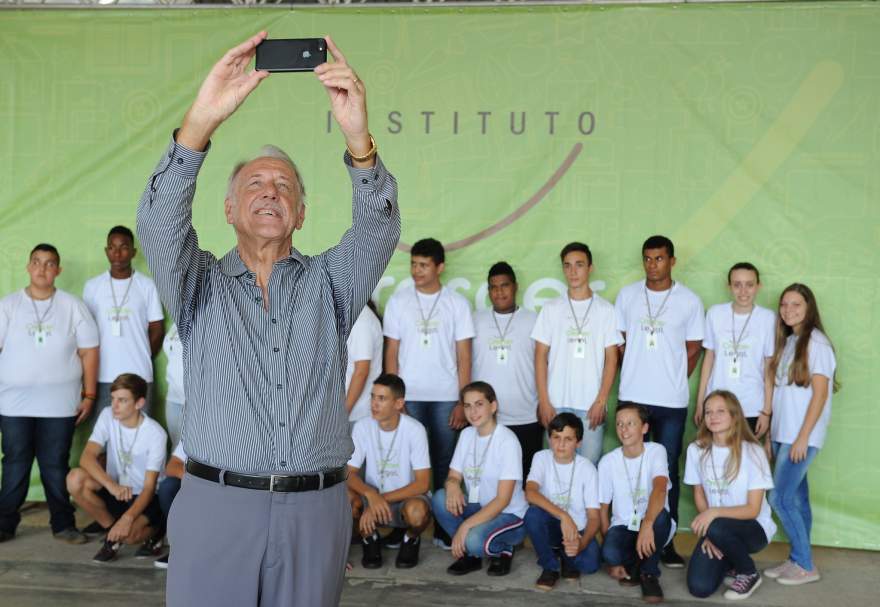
(744, 132)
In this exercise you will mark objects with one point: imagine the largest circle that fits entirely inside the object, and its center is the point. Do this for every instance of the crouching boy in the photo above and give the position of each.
(122, 498)
(394, 448)
(563, 517)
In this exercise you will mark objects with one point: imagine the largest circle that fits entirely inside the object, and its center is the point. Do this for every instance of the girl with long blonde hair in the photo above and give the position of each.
(730, 474)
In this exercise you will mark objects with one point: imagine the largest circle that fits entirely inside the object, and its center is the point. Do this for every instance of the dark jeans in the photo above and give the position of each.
(531, 439)
(48, 439)
(545, 531)
(619, 547)
(168, 489)
(667, 428)
(434, 416)
(736, 539)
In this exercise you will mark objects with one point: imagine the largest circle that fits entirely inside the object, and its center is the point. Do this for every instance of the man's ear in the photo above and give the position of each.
(227, 209)
(301, 219)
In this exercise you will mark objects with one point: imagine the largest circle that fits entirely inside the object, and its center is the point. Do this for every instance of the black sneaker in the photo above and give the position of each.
(151, 548)
(651, 590)
(108, 552)
(393, 539)
(743, 586)
(632, 579)
(408, 557)
(499, 565)
(670, 558)
(372, 558)
(568, 572)
(95, 528)
(547, 580)
(161, 563)
(465, 565)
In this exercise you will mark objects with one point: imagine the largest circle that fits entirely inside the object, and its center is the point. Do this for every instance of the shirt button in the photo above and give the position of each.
(180, 161)
(279, 386)
(283, 463)
(275, 349)
(257, 299)
(274, 321)
(365, 181)
(376, 176)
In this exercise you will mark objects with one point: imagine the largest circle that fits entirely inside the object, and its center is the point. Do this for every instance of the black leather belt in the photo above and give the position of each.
(282, 483)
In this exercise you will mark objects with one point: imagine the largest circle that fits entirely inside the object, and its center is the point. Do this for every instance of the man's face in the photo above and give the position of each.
(43, 267)
(658, 264)
(424, 271)
(564, 443)
(383, 405)
(265, 201)
(576, 268)
(123, 404)
(120, 251)
(744, 287)
(502, 293)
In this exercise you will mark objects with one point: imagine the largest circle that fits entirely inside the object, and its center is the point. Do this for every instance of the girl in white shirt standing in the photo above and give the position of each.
(486, 518)
(803, 366)
(730, 474)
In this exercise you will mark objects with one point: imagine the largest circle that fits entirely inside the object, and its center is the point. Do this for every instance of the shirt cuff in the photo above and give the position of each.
(366, 180)
(183, 161)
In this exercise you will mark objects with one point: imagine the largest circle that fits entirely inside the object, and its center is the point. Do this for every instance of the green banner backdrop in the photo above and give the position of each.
(744, 132)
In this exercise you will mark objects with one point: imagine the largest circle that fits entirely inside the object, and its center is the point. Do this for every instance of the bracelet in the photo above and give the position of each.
(370, 153)
(85, 394)
(765, 413)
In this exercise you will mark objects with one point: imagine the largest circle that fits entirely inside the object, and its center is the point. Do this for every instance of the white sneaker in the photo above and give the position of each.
(441, 544)
(797, 575)
(775, 572)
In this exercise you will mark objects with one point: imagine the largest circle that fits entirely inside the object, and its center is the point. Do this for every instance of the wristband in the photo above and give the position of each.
(765, 413)
(87, 395)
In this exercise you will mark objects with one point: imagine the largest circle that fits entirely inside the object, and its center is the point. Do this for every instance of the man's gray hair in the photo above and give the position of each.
(267, 151)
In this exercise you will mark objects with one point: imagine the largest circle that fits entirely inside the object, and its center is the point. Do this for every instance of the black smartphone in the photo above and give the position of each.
(291, 54)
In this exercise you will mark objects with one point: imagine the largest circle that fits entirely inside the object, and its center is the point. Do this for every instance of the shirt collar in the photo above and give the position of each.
(233, 266)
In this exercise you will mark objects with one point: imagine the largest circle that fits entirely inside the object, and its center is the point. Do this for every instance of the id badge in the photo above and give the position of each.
(116, 328)
(124, 480)
(40, 338)
(734, 369)
(474, 494)
(651, 340)
(635, 522)
(425, 341)
(580, 347)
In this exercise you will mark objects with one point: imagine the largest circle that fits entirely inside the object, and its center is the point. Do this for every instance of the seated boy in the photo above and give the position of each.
(168, 488)
(394, 447)
(634, 480)
(122, 498)
(563, 517)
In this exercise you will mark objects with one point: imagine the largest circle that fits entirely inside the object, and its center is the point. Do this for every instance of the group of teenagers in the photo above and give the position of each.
(462, 403)
(442, 398)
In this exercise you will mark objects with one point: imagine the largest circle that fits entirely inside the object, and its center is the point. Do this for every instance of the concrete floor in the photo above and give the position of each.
(36, 570)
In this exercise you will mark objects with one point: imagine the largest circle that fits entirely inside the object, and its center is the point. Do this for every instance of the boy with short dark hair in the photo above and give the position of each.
(633, 485)
(394, 448)
(122, 498)
(563, 517)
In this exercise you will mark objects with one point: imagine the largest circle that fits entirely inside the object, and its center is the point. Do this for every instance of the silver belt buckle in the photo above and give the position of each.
(272, 479)
(320, 481)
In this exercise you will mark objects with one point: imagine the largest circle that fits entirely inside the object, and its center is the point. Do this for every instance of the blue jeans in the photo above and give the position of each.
(619, 547)
(545, 531)
(434, 416)
(790, 500)
(494, 538)
(667, 428)
(48, 439)
(736, 539)
(591, 445)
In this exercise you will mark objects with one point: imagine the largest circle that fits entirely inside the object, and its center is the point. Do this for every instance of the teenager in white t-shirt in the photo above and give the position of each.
(738, 345)
(504, 357)
(48, 372)
(563, 517)
(803, 366)
(576, 351)
(122, 498)
(662, 323)
(126, 306)
(168, 488)
(634, 507)
(485, 516)
(730, 474)
(428, 332)
(176, 396)
(392, 451)
(364, 362)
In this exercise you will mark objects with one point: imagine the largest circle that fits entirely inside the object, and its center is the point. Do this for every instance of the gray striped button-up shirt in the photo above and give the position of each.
(265, 389)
